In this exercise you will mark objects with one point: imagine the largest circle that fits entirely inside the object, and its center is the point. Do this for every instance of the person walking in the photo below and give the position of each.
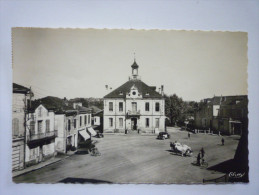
(202, 154)
(222, 141)
(189, 135)
(199, 159)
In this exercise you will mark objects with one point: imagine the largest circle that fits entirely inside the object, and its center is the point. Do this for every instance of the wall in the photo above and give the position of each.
(48, 148)
(60, 141)
(18, 115)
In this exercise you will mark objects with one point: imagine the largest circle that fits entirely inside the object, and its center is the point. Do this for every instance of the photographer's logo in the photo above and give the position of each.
(236, 175)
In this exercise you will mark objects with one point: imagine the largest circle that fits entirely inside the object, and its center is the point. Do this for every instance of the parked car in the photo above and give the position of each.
(163, 135)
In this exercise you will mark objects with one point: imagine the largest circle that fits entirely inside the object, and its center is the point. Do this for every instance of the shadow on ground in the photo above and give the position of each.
(83, 181)
(237, 168)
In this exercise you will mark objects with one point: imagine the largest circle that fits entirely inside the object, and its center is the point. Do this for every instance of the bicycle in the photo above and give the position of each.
(95, 152)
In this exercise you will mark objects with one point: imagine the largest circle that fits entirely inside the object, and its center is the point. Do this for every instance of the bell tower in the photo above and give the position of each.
(134, 67)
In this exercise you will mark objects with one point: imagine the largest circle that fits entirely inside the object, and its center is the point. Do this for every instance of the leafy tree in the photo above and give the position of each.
(177, 110)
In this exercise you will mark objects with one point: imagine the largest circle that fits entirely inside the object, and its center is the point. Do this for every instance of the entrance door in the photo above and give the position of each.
(134, 123)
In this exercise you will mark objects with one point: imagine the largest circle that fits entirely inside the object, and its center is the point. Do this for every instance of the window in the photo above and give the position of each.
(15, 127)
(69, 125)
(157, 107)
(85, 119)
(121, 106)
(74, 123)
(40, 112)
(94, 119)
(133, 93)
(147, 106)
(39, 126)
(47, 125)
(110, 106)
(89, 120)
(111, 122)
(120, 122)
(134, 106)
(147, 122)
(32, 127)
(157, 122)
(80, 121)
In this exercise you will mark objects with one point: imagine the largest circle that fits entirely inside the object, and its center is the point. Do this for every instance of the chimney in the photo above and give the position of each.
(162, 90)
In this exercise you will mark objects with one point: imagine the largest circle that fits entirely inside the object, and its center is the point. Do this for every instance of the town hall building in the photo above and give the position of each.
(134, 106)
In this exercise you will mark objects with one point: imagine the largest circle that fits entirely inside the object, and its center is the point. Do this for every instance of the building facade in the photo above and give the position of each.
(20, 96)
(40, 135)
(225, 114)
(72, 127)
(134, 106)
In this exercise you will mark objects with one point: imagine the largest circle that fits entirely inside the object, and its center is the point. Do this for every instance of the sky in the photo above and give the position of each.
(79, 62)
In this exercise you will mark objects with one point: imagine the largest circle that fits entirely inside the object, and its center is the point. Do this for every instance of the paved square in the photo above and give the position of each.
(134, 158)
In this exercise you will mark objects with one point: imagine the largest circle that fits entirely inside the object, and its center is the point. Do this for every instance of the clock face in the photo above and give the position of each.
(134, 93)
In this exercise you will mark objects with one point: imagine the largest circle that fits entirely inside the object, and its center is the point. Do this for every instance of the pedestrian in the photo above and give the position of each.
(222, 141)
(199, 159)
(189, 135)
(202, 152)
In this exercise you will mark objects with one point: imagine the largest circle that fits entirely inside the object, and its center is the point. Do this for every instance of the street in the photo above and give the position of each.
(134, 158)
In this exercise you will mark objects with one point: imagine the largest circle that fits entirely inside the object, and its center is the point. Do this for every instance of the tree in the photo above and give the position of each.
(177, 110)
(174, 107)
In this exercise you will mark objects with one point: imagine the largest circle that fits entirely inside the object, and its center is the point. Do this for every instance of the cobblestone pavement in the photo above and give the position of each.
(138, 159)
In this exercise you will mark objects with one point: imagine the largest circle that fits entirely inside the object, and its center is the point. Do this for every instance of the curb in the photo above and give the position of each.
(40, 167)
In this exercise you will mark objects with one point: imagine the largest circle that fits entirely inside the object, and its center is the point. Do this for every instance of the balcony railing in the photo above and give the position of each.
(41, 136)
(132, 112)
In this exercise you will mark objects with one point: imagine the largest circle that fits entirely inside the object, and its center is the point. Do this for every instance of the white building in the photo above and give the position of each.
(134, 106)
(40, 135)
(20, 96)
(73, 127)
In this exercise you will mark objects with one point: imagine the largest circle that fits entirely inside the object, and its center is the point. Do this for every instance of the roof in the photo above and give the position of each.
(143, 88)
(20, 89)
(134, 65)
(83, 109)
(51, 103)
(95, 109)
(225, 100)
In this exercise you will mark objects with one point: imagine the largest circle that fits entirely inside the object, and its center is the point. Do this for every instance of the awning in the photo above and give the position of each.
(92, 131)
(84, 134)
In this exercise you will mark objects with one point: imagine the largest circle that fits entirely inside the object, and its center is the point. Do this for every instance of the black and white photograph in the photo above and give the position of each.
(126, 106)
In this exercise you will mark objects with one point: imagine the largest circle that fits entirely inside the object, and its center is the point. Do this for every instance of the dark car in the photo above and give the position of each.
(163, 135)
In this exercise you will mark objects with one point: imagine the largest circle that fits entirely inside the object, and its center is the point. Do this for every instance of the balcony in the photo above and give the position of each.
(133, 113)
(42, 136)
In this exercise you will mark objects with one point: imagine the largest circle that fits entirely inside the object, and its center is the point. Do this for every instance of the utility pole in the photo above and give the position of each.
(30, 96)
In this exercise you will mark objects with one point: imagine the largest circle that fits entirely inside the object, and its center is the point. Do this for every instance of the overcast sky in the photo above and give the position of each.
(79, 63)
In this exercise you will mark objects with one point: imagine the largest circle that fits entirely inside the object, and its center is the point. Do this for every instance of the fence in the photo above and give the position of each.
(42, 135)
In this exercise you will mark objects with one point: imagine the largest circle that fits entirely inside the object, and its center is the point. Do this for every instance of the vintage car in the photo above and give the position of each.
(163, 135)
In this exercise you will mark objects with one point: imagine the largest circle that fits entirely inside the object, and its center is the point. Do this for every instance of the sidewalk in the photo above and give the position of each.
(42, 164)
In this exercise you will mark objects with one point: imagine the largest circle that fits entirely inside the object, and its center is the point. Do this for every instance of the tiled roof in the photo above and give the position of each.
(51, 103)
(144, 89)
(95, 109)
(20, 89)
(84, 109)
